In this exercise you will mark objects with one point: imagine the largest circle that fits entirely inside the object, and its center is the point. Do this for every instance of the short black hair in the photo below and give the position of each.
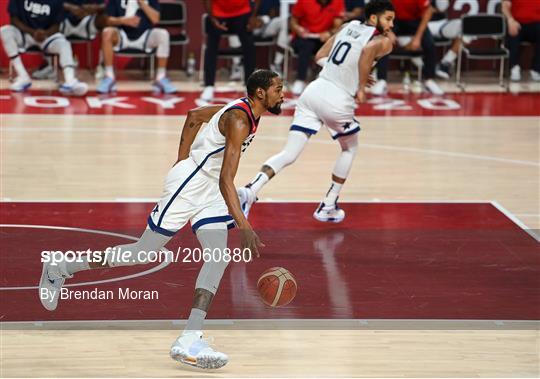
(378, 7)
(260, 79)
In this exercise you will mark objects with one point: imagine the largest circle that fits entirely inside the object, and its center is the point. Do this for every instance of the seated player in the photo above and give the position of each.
(130, 25)
(523, 20)
(313, 22)
(348, 58)
(84, 19)
(412, 18)
(37, 23)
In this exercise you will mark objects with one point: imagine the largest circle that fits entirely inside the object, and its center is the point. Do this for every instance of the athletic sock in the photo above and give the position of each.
(449, 57)
(69, 75)
(18, 66)
(195, 321)
(258, 182)
(333, 193)
(109, 71)
(160, 74)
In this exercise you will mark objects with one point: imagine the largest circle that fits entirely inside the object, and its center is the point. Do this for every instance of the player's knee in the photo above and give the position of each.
(349, 144)
(108, 34)
(161, 34)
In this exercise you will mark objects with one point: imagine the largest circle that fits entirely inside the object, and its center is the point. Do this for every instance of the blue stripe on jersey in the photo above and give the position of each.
(186, 182)
(212, 220)
(303, 129)
(159, 230)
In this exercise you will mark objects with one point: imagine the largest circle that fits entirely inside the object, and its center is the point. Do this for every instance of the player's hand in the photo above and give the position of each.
(513, 27)
(324, 36)
(254, 23)
(250, 240)
(360, 97)
(371, 81)
(219, 25)
(301, 32)
(39, 35)
(414, 45)
(132, 21)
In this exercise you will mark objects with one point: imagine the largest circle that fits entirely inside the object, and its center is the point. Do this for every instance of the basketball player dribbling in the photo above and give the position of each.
(199, 188)
(347, 60)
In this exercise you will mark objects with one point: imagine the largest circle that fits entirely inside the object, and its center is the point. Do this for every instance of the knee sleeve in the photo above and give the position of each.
(11, 39)
(148, 249)
(349, 149)
(62, 47)
(295, 145)
(213, 239)
(159, 39)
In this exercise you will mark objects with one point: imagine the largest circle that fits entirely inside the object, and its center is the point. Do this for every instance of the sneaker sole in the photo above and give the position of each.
(332, 219)
(202, 362)
(47, 305)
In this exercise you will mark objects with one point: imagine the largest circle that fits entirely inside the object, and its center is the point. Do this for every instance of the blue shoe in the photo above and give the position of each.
(163, 85)
(76, 88)
(106, 85)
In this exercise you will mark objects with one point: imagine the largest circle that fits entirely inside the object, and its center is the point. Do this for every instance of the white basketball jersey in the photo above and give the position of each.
(207, 148)
(341, 68)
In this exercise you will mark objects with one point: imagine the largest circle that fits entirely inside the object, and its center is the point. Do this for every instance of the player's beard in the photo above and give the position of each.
(276, 109)
(379, 27)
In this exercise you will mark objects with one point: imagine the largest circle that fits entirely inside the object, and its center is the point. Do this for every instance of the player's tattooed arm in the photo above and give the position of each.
(195, 118)
(236, 127)
(375, 49)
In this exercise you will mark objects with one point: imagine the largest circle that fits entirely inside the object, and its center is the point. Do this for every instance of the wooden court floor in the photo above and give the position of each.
(62, 157)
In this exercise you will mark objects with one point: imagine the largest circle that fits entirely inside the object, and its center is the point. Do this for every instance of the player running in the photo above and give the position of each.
(199, 188)
(348, 58)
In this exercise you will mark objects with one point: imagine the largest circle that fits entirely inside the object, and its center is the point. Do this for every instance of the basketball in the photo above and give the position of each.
(277, 287)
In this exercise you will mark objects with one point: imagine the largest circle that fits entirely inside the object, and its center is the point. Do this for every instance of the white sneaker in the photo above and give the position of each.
(76, 88)
(21, 84)
(45, 72)
(298, 87)
(191, 349)
(247, 199)
(379, 88)
(50, 285)
(329, 213)
(208, 93)
(535, 76)
(515, 73)
(433, 87)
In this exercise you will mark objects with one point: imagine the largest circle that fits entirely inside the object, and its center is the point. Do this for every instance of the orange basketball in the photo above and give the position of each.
(277, 287)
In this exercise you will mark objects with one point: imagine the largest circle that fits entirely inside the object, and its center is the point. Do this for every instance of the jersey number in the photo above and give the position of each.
(338, 55)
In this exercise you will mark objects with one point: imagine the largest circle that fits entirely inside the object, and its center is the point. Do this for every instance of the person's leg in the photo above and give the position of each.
(210, 56)
(189, 347)
(304, 48)
(532, 31)
(296, 141)
(247, 40)
(428, 47)
(109, 39)
(342, 167)
(159, 39)
(57, 44)
(13, 40)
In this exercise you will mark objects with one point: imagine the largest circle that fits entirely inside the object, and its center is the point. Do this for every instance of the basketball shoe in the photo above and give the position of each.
(191, 349)
(50, 285)
(247, 199)
(329, 213)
